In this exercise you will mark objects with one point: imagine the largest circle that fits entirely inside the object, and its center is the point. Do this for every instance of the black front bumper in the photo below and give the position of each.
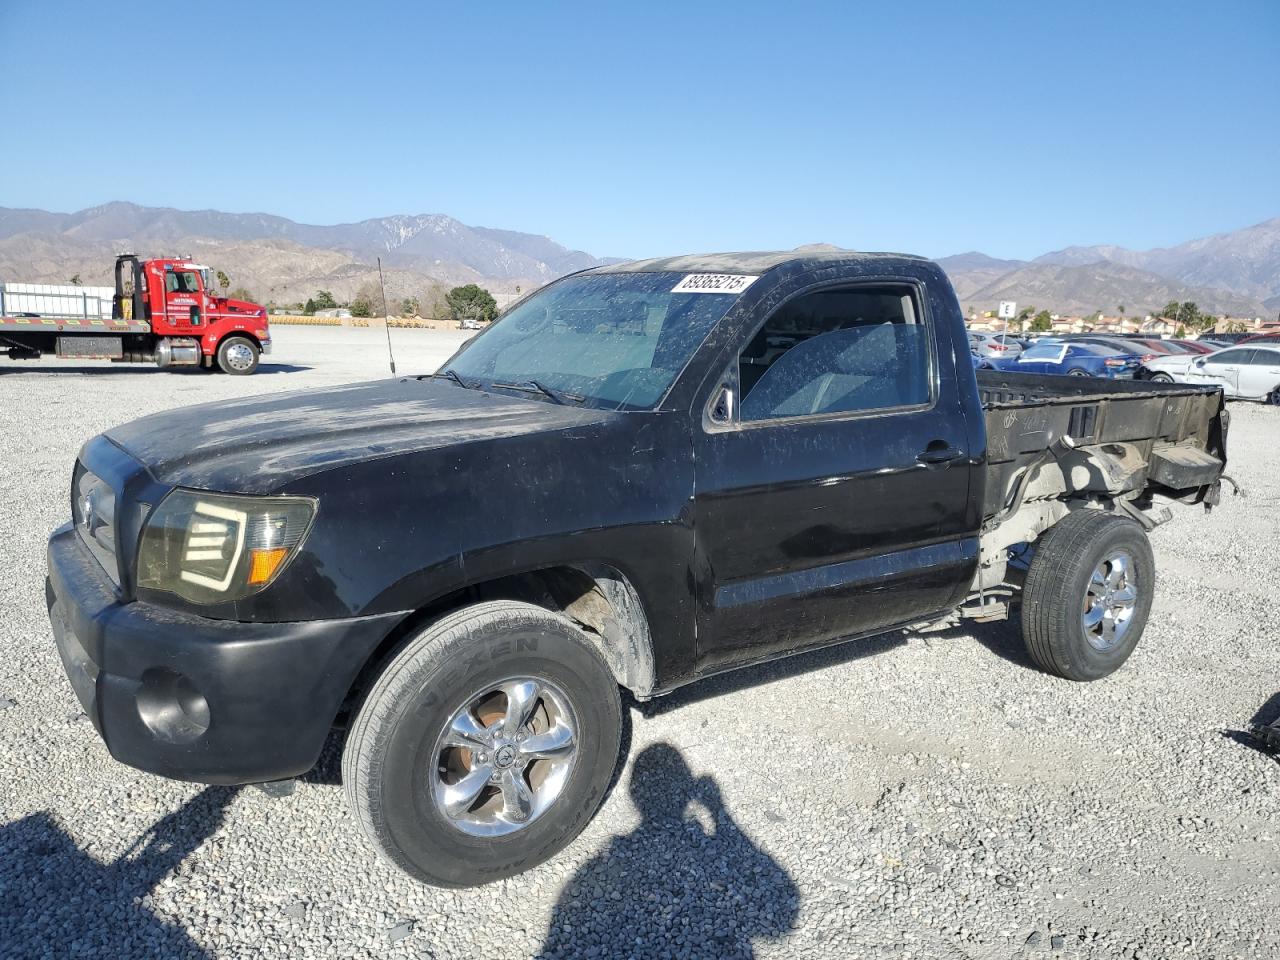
(214, 701)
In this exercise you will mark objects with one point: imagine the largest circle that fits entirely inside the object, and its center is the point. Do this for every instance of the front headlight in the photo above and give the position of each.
(215, 548)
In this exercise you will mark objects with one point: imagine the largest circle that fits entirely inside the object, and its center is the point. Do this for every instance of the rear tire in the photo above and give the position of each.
(238, 356)
(1077, 372)
(1089, 565)
(409, 781)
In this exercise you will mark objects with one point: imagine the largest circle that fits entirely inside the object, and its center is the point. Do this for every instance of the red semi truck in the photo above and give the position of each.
(162, 311)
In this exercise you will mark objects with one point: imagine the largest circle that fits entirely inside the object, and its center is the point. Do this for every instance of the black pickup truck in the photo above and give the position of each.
(641, 475)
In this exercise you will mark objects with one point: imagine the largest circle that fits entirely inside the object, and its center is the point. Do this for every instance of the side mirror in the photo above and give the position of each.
(721, 411)
(1200, 362)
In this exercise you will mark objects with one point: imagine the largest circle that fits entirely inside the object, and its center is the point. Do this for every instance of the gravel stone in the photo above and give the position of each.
(860, 802)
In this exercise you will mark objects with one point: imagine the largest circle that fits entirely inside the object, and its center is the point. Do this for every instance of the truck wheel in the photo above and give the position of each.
(1087, 595)
(485, 746)
(238, 355)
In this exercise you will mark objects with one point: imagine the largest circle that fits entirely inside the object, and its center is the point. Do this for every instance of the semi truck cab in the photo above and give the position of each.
(175, 297)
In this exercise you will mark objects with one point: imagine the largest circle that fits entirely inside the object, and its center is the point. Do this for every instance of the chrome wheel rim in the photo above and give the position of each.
(239, 356)
(1110, 601)
(504, 757)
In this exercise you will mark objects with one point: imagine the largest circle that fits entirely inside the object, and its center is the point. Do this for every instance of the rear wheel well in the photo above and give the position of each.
(597, 597)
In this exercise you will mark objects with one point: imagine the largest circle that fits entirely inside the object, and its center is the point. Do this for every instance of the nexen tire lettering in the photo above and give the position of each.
(496, 649)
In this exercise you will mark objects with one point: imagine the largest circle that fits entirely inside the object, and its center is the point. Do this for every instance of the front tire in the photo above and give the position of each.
(1087, 595)
(485, 746)
(238, 356)
(1161, 378)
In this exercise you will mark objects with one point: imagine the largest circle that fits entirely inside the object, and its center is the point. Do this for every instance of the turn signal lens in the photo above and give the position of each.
(264, 563)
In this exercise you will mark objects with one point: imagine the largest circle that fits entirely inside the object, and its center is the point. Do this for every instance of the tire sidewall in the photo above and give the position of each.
(230, 341)
(417, 835)
(1086, 660)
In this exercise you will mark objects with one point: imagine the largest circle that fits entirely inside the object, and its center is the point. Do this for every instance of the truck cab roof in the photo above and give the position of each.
(755, 262)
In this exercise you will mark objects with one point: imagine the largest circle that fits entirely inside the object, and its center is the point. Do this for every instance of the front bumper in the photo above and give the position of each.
(213, 701)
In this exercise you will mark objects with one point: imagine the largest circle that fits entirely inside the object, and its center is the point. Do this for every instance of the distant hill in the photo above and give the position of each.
(1236, 273)
(1102, 286)
(970, 272)
(276, 257)
(1245, 262)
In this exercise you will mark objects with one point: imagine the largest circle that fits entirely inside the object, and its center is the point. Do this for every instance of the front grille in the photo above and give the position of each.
(93, 510)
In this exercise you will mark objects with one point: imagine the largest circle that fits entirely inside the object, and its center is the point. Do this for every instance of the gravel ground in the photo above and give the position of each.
(932, 798)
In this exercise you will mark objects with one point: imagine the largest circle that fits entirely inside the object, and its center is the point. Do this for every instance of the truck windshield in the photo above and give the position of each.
(611, 340)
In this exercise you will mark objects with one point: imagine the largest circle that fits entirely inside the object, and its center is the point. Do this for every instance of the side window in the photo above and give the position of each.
(181, 281)
(1232, 357)
(837, 351)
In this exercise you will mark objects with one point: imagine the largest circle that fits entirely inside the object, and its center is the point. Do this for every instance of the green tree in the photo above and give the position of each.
(323, 300)
(309, 308)
(242, 293)
(1180, 332)
(75, 281)
(1042, 322)
(471, 303)
(409, 307)
(223, 281)
(368, 301)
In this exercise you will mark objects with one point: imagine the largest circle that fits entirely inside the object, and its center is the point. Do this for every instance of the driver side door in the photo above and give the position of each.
(185, 303)
(832, 500)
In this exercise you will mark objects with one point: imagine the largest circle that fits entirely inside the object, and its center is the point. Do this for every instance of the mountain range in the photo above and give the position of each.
(1235, 273)
(276, 258)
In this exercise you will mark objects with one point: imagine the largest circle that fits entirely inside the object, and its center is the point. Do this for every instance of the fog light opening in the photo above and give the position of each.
(171, 706)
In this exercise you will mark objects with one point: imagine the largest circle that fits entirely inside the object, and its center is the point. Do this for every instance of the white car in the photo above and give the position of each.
(994, 346)
(1245, 371)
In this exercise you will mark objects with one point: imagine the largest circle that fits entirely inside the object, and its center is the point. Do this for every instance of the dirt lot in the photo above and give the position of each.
(891, 798)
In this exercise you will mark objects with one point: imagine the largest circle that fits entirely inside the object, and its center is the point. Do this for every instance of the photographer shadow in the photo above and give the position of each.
(57, 900)
(685, 882)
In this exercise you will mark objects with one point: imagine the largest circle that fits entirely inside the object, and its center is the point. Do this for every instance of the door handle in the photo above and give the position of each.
(939, 452)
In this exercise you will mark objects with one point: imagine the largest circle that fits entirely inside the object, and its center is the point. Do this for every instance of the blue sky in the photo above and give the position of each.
(648, 128)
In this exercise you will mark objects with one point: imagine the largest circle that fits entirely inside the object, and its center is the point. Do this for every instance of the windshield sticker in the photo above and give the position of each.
(713, 283)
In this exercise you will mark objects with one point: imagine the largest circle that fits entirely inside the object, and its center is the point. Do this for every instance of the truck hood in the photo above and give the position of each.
(260, 444)
(243, 307)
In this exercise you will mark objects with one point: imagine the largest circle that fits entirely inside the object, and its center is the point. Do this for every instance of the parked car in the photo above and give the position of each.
(994, 344)
(1262, 338)
(1230, 338)
(469, 566)
(1244, 372)
(1073, 360)
(1192, 346)
(1128, 346)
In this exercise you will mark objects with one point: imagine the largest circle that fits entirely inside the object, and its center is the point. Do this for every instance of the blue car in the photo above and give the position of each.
(1071, 360)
